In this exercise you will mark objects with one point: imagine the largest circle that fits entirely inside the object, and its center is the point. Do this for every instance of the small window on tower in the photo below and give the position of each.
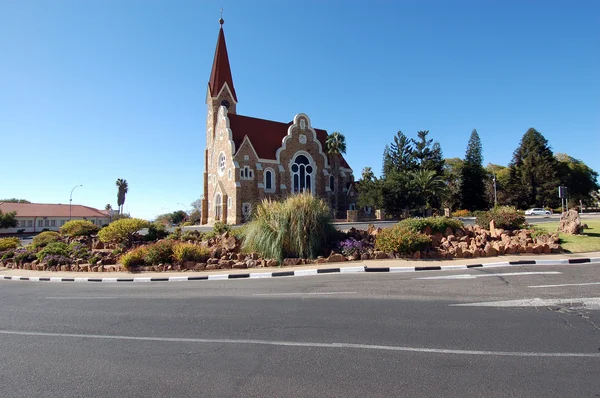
(225, 103)
(221, 163)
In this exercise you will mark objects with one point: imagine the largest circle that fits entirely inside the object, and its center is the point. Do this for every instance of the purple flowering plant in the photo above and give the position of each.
(351, 247)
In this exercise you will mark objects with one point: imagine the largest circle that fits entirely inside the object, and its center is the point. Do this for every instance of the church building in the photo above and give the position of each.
(247, 159)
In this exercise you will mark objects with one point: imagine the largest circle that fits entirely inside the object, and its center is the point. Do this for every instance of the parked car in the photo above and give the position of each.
(536, 211)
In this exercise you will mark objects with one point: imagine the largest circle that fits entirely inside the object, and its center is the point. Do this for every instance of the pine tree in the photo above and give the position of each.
(472, 186)
(533, 173)
(428, 154)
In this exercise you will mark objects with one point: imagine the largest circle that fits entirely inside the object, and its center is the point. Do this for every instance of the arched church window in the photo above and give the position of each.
(269, 180)
(331, 183)
(302, 174)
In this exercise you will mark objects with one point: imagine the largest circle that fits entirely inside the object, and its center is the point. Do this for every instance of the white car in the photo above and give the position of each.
(537, 212)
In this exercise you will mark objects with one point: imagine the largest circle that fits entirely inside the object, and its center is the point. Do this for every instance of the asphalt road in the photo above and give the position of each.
(353, 335)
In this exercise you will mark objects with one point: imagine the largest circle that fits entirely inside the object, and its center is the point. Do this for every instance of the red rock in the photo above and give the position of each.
(289, 262)
(336, 258)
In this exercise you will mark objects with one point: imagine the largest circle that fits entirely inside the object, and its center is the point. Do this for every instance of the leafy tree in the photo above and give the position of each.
(14, 200)
(428, 187)
(179, 216)
(581, 181)
(472, 187)
(428, 154)
(452, 177)
(122, 189)
(122, 231)
(195, 215)
(502, 176)
(8, 220)
(369, 190)
(397, 194)
(533, 173)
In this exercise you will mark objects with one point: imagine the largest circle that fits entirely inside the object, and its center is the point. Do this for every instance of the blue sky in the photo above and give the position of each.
(95, 90)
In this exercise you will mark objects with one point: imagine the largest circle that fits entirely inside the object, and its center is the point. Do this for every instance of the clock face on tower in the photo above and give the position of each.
(225, 103)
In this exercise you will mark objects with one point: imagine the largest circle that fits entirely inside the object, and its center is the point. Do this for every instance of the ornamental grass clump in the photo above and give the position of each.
(160, 252)
(300, 227)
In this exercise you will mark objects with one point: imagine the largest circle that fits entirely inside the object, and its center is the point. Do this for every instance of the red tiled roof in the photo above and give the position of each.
(221, 71)
(50, 210)
(266, 135)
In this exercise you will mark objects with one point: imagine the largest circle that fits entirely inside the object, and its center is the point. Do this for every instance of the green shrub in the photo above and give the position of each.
(9, 243)
(93, 259)
(54, 248)
(78, 250)
(193, 235)
(134, 257)
(45, 238)
(300, 226)
(461, 213)
(176, 234)
(187, 224)
(156, 231)
(79, 228)
(160, 252)
(122, 231)
(401, 240)
(504, 217)
(437, 224)
(190, 252)
(24, 255)
(8, 254)
(220, 228)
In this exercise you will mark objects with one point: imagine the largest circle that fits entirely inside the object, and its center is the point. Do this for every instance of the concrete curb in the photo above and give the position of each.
(305, 272)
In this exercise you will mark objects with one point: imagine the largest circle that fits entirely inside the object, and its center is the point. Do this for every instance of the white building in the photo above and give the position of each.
(35, 217)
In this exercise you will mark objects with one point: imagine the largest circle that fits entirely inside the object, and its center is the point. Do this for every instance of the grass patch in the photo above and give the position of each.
(588, 242)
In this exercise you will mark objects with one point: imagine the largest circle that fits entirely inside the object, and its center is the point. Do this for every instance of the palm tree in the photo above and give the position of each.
(108, 207)
(427, 185)
(122, 189)
(336, 146)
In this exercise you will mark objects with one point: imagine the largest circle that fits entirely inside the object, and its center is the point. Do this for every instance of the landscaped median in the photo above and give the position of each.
(372, 266)
(293, 233)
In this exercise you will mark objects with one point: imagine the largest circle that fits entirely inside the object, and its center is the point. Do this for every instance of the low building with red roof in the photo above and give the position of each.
(35, 217)
(248, 159)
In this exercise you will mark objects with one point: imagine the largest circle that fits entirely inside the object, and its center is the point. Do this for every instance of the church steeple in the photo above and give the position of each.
(221, 71)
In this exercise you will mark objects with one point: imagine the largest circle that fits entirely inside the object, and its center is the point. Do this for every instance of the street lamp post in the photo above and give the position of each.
(71, 199)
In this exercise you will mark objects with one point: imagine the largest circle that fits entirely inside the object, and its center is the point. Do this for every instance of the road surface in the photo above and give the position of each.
(531, 331)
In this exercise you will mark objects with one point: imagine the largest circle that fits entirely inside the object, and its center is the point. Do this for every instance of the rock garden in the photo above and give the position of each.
(294, 232)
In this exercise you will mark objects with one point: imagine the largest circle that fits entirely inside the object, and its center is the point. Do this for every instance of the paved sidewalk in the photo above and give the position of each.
(347, 266)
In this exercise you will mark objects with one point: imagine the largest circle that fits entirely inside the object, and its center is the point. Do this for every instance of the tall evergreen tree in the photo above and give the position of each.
(534, 176)
(427, 154)
(472, 187)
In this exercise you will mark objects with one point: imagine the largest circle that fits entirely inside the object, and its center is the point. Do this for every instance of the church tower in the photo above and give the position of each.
(221, 92)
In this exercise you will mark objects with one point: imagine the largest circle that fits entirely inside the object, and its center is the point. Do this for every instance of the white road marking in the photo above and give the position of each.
(475, 276)
(592, 303)
(80, 298)
(308, 344)
(301, 294)
(568, 284)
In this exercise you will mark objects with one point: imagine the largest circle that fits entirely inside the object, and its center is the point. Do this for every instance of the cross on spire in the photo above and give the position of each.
(221, 21)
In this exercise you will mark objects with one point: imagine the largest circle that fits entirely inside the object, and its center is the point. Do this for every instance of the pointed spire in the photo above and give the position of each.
(221, 71)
